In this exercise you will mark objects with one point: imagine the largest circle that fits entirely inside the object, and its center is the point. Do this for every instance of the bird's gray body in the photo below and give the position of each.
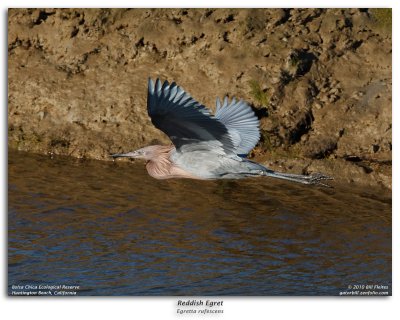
(210, 165)
(206, 146)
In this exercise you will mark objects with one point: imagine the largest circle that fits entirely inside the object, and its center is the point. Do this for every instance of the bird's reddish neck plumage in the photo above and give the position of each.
(160, 165)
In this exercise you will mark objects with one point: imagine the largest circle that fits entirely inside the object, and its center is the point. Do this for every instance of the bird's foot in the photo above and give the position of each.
(318, 178)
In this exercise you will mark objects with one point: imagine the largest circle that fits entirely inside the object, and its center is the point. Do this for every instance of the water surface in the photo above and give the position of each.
(113, 230)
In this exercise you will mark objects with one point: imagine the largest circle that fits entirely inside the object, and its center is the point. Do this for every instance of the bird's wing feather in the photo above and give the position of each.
(241, 122)
(189, 124)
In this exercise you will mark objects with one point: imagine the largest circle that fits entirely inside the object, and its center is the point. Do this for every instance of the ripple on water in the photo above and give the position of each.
(113, 230)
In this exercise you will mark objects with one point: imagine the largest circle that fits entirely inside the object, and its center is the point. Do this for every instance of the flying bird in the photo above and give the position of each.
(205, 146)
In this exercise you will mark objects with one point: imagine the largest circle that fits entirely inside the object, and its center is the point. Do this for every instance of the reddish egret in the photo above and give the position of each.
(205, 146)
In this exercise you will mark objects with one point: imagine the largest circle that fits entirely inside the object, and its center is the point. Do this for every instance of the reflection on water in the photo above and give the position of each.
(113, 230)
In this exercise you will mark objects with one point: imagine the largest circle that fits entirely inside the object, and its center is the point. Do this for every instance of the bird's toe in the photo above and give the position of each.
(317, 178)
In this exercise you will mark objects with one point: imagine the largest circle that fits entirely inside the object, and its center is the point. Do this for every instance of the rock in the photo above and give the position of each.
(319, 147)
(77, 79)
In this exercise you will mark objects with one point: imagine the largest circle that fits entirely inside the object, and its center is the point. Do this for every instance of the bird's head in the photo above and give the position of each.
(146, 153)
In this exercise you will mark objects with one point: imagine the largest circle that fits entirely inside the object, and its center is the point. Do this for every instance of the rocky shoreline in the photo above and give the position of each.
(319, 80)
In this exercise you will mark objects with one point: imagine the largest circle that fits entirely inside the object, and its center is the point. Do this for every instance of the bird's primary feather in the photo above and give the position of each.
(188, 123)
(241, 122)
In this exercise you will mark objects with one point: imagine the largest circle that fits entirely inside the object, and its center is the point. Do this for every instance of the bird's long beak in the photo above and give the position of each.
(132, 154)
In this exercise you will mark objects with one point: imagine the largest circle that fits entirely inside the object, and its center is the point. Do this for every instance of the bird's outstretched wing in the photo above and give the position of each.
(241, 122)
(189, 124)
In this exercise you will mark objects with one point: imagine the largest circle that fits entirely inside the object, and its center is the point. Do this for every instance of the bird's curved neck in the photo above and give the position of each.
(160, 164)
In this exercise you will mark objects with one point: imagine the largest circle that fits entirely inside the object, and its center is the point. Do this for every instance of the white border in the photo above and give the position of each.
(165, 307)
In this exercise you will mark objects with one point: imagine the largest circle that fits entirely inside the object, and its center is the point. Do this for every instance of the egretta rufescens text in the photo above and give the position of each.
(205, 146)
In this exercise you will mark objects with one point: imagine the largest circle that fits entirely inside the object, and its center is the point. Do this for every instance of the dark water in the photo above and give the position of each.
(113, 230)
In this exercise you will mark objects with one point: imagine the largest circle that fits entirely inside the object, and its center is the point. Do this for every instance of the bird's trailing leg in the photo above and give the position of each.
(314, 179)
